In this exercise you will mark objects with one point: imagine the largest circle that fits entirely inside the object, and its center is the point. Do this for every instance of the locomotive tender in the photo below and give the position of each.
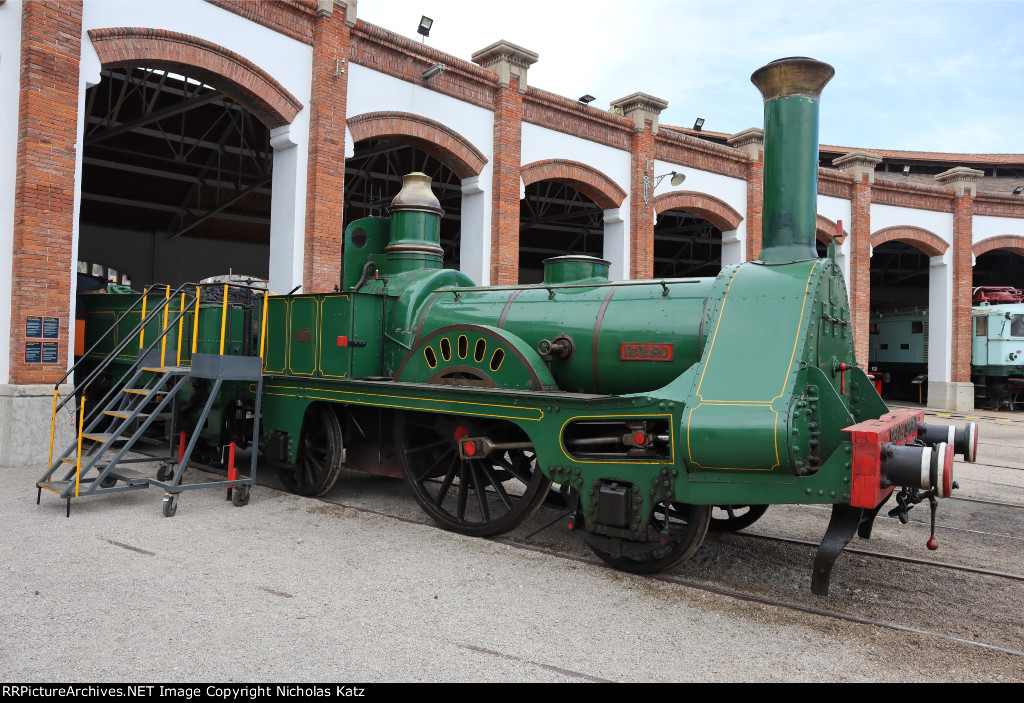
(647, 402)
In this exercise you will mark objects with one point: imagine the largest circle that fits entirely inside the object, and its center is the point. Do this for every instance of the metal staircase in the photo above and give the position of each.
(98, 461)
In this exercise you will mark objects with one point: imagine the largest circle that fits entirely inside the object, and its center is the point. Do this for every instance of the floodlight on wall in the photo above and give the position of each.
(906, 170)
(650, 183)
(1018, 190)
(699, 124)
(433, 71)
(425, 25)
(588, 98)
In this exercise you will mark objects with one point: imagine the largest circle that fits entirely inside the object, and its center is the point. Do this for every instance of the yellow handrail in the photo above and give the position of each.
(181, 328)
(142, 332)
(78, 460)
(263, 323)
(53, 426)
(195, 325)
(163, 340)
(223, 318)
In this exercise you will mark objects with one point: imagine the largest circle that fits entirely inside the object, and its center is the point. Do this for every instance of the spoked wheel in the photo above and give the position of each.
(320, 455)
(729, 518)
(478, 497)
(687, 526)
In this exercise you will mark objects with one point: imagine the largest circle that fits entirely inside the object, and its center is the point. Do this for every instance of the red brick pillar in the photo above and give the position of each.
(752, 141)
(641, 214)
(964, 182)
(510, 64)
(44, 211)
(861, 166)
(505, 178)
(644, 110)
(325, 187)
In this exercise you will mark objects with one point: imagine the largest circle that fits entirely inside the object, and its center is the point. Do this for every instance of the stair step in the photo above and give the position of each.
(55, 486)
(104, 437)
(73, 462)
(172, 370)
(144, 391)
(124, 414)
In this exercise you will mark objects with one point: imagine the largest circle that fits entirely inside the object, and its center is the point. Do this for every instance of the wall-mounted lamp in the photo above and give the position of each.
(433, 71)
(698, 124)
(425, 24)
(588, 98)
(906, 170)
(1018, 190)
(650, 183)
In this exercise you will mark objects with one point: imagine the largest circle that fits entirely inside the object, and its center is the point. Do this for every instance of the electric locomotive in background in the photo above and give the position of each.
(899, 347)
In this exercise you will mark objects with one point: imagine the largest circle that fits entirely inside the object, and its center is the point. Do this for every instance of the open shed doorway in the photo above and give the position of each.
(176, 181)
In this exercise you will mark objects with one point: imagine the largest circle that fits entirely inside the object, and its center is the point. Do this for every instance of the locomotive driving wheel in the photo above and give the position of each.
(686, 525)
(320, 456)
(730, 518)
(481, 497)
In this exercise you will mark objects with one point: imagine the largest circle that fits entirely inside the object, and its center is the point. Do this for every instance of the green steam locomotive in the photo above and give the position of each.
(647, 403)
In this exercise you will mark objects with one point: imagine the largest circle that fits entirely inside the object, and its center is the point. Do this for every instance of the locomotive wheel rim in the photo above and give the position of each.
(478, 497)
(730, 518)
(688, 525)
(320, 456)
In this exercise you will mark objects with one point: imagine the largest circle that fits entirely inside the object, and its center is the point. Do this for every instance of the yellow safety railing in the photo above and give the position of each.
(181, 328)
(78, 460)
(195, 325)
(142, 332)
(53, 425)
(163, 339)
(263, 322)
(223, 318)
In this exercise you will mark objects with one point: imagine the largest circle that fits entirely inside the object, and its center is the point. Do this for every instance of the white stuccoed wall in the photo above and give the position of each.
(371, 91)
(540, 144)
(10, 72)
(837, 209)
(732, 191)
(986, 226)
(288, 61)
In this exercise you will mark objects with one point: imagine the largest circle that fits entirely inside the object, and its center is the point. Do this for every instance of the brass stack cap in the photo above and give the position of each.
(796, 75)
(416, 196)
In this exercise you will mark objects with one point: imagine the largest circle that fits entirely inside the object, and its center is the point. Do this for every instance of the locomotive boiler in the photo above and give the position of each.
(647, 403)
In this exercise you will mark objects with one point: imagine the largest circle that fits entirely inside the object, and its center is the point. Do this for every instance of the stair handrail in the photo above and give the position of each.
(129, 338)
(103, 336)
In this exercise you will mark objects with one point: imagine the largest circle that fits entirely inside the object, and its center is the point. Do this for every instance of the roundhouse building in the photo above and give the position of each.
(167, 142)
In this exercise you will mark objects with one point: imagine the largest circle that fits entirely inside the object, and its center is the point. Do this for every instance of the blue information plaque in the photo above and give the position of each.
(51, 328)
(33, 352)
(49, 354)
(33, 326)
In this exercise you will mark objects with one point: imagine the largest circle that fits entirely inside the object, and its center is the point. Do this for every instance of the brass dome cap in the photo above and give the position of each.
(416, 195)
(796, 75)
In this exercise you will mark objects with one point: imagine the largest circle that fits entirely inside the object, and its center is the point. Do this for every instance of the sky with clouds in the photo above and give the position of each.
(929, 75)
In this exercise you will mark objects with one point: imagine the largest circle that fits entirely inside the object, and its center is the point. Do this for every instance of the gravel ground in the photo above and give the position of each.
(298, 589)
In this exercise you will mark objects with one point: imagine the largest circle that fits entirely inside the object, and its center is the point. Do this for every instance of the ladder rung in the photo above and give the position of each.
(73, 462)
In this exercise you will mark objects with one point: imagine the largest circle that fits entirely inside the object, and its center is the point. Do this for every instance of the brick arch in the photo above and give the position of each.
(716, 211)
(825, 230)
(586, 179)
(1009, 242)
(451, 148)
(232, 74)
(928, 242)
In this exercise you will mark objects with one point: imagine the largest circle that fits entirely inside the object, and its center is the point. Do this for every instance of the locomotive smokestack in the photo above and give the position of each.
(415, 227)
(791, 88)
